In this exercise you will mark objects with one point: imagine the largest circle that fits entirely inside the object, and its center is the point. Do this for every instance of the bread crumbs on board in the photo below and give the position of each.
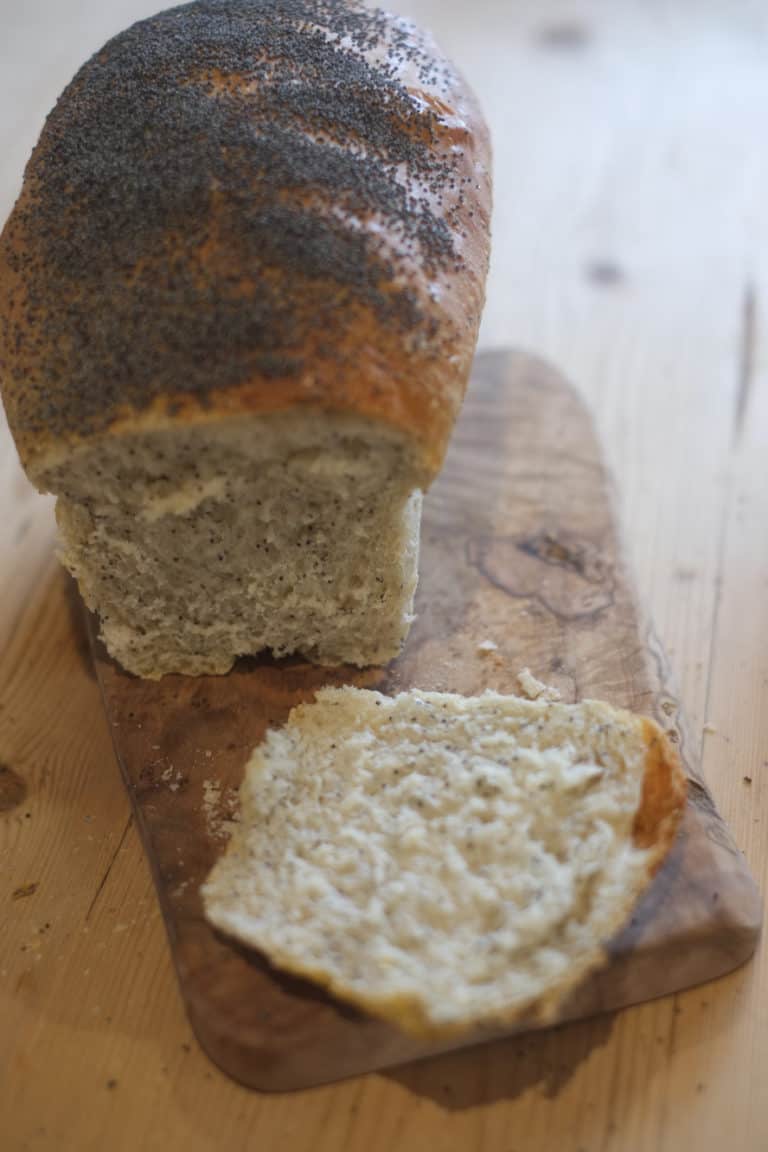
(485, 647)
(535, 689)
(220, 808)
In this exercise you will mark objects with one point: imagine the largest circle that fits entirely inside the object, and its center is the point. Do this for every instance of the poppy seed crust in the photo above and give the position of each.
(222, 194)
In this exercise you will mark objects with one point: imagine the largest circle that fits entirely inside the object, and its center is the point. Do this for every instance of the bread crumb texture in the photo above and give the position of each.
(447, 863)
(293, 532)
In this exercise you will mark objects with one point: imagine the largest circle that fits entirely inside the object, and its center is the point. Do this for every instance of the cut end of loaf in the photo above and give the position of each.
(293, 533)
(448, 864)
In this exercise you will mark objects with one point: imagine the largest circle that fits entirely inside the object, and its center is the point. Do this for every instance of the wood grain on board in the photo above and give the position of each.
(519, 546)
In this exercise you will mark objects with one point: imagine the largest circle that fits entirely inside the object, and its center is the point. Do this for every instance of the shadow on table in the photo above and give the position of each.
(506, 1069)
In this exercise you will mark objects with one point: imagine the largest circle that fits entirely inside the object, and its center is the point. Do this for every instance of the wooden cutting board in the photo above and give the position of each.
(520, 547)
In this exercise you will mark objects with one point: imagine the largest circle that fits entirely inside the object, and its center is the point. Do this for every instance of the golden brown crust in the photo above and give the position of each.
(663, 797)
(230, 212)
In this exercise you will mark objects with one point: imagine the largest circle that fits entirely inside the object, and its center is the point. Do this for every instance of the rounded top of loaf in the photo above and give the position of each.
(242, 206)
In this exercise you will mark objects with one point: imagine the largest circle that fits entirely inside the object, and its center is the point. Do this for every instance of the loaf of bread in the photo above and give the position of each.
(239, 299)
(447, 863)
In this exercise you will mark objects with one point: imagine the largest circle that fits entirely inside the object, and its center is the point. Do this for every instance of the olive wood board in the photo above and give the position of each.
(519, 547)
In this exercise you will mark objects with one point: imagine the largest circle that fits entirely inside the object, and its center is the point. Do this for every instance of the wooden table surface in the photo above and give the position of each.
(631, 248)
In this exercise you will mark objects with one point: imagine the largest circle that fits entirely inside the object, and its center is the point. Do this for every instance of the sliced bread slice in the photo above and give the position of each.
(446, 862)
